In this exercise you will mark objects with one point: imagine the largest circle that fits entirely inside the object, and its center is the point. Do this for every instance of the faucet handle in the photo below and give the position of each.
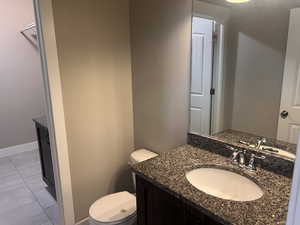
(231, 148)
(258, 156)
(236, 150)
(262, 140)
(237, 153)
(251, 167)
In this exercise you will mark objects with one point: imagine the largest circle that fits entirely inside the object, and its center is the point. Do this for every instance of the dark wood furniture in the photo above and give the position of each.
(45, 154)
(156, 206)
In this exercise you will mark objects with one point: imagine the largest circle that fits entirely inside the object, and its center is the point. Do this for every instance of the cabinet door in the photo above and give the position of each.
(195, 217)
(157, 207)
(46, 158)
(192, 219)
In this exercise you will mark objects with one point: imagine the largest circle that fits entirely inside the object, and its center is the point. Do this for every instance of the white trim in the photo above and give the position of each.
(12, 150)
(217, 84)
(294, 204)
(55, 109)
(83, 222)
(293, 217)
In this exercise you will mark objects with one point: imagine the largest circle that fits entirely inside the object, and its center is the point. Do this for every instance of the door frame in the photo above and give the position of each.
(294, 204)
(54, 109)
(293, 217)
(217, 79)
(289, 68)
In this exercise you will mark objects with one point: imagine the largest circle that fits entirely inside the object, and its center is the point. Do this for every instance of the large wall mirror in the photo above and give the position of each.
(243, 76)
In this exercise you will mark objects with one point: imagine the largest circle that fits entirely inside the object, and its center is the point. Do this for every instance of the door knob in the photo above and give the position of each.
(284, 114)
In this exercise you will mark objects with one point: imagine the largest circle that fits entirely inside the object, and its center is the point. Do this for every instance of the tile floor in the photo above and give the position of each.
(23, 197)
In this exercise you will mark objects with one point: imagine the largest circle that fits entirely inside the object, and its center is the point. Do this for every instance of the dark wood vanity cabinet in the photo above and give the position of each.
(45, 155)
(156, 206)
(194, 217)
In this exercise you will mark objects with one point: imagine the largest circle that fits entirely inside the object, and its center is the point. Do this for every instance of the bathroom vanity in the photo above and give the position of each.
(45, 154)
(157, 206)
(165, 196)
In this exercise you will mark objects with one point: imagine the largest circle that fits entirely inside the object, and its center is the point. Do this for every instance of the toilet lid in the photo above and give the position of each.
(114, 207)
(141, 155)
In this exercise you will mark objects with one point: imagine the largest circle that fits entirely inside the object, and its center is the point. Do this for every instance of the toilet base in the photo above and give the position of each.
(131, 221)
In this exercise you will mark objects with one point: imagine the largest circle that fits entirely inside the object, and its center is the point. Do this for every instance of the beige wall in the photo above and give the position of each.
(95, 62)
(258, 35)
(21, 88)
(160, 41)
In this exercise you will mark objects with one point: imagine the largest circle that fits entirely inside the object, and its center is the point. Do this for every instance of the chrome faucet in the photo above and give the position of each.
(260, 142)
(238, 156)
(251, 167)
(260, 145)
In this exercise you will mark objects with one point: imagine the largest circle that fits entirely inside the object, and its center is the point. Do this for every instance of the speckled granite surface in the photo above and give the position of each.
(273, 163)
(233, 137)
(168, 171)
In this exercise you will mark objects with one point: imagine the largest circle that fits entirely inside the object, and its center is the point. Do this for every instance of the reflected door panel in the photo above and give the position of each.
(289, 118)
(201, 76)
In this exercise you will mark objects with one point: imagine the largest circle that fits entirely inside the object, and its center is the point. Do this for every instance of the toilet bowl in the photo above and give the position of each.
(119, 208)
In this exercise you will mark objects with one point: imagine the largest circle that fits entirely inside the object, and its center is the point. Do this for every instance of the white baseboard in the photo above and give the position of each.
(83, 222)
(9, 151)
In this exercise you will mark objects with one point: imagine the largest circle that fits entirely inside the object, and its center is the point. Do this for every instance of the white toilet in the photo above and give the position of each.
(118, 208)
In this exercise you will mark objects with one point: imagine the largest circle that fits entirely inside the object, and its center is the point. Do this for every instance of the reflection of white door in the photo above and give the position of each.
(201, 75)
(289, 120)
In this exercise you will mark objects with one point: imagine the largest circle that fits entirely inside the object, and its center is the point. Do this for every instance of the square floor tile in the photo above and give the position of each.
(53, 213)
(4, 161)
(35, 183)
(48, 223)
(31, 170)
(22, 192)
(44, 198)
(30, 214)
(14, 198)
(10, 181)
(6, 167)
(25, 158)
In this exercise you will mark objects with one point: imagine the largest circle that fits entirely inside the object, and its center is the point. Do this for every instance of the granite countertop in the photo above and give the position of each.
(233, 137)
(42, 121)
(168, 171)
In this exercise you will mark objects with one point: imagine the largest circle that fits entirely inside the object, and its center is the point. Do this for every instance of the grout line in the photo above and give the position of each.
(34, 196)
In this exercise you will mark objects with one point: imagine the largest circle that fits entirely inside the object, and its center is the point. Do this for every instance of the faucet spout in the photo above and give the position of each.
(238, 158)
(260, 142)
(242, 159)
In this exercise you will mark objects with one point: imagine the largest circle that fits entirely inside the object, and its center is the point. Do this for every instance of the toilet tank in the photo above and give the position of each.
(140, 156)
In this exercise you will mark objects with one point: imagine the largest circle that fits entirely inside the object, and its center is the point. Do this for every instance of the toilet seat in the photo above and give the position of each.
(141, 155)
(113, 209)
(119, 208)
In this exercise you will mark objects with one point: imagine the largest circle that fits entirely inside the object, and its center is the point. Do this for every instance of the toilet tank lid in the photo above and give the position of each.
(141, 155)
(114, 207)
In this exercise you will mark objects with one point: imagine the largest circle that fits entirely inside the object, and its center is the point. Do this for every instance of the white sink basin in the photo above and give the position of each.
(224, 184)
